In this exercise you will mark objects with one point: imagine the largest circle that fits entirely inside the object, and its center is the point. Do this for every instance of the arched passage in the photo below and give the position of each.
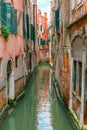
(10, 81)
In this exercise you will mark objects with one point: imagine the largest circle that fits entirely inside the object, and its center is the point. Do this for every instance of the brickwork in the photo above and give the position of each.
(19, 86)
(3, 101)
(65, 85)
(76, 105)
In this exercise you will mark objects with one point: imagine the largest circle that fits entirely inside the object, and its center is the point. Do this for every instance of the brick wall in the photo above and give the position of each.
(65, 81)
(65, 85)
(3, 101)
(19, 86)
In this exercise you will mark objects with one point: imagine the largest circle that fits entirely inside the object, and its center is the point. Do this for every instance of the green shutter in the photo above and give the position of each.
(27, 20)
(40, 27)
(57, 19)
(48, 41)
(9, 17)
(0, 15)
(14, 21)
(42, 42)
(6, 15)
(32, 32)
(24, 33)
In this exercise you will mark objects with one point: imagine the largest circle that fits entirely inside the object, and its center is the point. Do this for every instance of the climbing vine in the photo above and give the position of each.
(5, 32)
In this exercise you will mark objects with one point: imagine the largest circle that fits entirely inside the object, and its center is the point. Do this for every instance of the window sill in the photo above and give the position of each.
(80, 5)
(77, 97)
(74, 93)
(77, 7)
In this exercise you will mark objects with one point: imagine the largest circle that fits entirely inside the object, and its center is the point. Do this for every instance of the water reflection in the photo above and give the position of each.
(44, 115)
(39, 109)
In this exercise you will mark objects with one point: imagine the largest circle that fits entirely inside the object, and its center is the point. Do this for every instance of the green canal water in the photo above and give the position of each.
(39, 109)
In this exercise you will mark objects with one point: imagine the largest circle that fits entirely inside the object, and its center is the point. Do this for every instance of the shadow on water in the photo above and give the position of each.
(39, 110)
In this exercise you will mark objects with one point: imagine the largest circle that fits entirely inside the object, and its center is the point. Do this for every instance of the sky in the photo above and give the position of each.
(44, 5)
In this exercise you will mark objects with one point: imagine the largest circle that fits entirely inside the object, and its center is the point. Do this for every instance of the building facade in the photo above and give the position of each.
(17, 47)
(70, 27)
(42, 35)
(78, 40)
(60, 45)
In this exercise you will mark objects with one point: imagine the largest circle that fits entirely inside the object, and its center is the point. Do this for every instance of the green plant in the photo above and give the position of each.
(52, 53)
(67, 54)
(5, 32)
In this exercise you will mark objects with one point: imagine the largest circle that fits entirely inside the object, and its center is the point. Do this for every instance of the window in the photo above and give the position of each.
(16, 61)
(79, 1)
(73, 4)
(40, 28)
(80, 77)
(74, 76)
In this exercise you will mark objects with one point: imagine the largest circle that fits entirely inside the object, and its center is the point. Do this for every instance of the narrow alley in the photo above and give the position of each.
(43, 64)
(39, 110)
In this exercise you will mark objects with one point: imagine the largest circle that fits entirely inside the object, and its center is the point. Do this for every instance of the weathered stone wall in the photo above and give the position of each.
(19, 86)
(3, 101)
(65, 85)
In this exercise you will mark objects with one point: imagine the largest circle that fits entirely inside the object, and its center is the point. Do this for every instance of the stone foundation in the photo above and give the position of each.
(19, 86)
(3, 101)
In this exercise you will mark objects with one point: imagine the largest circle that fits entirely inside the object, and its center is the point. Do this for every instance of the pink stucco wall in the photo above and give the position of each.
(14, 45)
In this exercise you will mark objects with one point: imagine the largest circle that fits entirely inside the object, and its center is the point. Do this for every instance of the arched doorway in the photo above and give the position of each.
(10, 82)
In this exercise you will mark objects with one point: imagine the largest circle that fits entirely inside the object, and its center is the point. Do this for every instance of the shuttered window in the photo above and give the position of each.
(27, 20)
(74, 76)
(7, 15)
(40, 27)
(24, 34)
(32, 32)
(79, 1)
(0, 16)
(14, 21)
(80, 77)
(42, 41)
(57, 19)
(73, 4)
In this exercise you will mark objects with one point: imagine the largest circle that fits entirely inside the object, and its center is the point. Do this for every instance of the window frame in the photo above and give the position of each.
(79, 1)
(73, 4)
(17, 62)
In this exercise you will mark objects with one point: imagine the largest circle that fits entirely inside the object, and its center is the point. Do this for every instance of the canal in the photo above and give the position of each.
(39, 109)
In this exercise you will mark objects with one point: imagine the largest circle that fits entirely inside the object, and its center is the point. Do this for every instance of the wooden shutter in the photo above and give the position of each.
(6, 15)
(14, 21)
(0, 15)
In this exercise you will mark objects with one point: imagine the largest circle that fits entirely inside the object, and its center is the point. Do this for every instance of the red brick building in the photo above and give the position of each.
(42, 35)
